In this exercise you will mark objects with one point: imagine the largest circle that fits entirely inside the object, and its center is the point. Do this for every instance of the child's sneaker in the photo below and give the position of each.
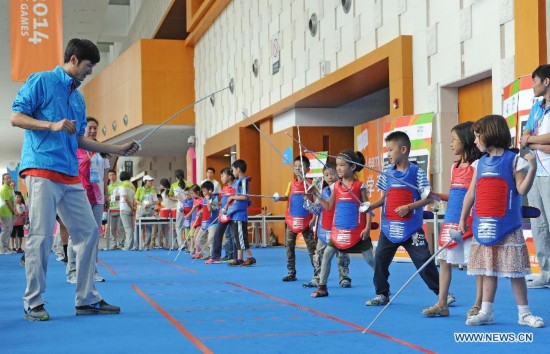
(37, 313)
(310, 284)
(290, 277)
(236, 262)
(378, 300)
(528, 319)
(345, 283)
(213, 261)
(249, 261)
(481, 318)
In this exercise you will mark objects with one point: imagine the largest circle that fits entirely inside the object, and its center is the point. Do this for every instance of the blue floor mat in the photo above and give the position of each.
(189, 306)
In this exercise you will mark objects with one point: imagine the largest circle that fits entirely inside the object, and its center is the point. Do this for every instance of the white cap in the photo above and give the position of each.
(147, 178)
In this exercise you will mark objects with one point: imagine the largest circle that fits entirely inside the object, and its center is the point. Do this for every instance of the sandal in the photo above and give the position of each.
(436, 311)
(528, 319)
(473, 311)
(320, 292)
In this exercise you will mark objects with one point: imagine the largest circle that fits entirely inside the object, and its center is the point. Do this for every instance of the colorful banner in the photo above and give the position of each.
(518, 98)
(316, 166)
(370, 141)
(191, 164)
(36, 36)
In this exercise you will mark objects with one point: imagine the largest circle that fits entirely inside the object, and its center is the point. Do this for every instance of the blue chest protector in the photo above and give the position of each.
(213, 214)
(497, 205)
(460, 182)
(396, 228)
(238, 210)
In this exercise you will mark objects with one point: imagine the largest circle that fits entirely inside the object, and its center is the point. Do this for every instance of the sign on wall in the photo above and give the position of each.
(36, 36)
(370, 141)
(275, 54)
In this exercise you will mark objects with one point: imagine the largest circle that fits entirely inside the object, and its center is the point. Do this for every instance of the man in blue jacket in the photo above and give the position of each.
(53, 113)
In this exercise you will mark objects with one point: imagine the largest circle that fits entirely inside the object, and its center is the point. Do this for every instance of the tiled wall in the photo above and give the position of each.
(452, 41)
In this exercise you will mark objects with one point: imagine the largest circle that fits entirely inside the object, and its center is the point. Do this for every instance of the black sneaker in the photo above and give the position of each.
(290, 277)
(99, 308)
(37, 313)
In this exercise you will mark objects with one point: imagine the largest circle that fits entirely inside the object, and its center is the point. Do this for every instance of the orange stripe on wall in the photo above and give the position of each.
(36, 32)
(530, 35)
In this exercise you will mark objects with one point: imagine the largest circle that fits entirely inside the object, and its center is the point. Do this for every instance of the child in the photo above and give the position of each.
(209, 219)
(145, 199)
(194, 216)
(298, 219)
(186, 206)
(499, 249)
(125, 193)
(227, 191)
(350, 228)
(323, 223)
(462, 172)
(19, 221)
(238, 212)
(157, 235)
(177, 194)
(402, 218)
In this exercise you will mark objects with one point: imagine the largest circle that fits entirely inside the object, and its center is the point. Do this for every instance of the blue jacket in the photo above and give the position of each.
(51, 96)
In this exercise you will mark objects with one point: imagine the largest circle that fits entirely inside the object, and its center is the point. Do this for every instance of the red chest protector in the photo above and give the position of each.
(196, 219)
(348, 221)
(227, 191)
(297, 218)
(460, 182)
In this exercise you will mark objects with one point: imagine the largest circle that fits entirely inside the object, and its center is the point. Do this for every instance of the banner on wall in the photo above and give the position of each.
(36, 36)
(191, 164)
(370, 141)
(518, 98)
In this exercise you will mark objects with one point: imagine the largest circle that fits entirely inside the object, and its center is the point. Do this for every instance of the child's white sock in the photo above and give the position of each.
(487, 307)
(523, 309)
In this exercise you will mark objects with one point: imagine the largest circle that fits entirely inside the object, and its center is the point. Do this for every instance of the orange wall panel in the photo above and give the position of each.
(475, 100)
(530, 35)
(167, 71)
(149, 82)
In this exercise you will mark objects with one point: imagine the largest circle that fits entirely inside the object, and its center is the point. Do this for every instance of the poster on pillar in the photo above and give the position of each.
(370, 141)
(517, 100)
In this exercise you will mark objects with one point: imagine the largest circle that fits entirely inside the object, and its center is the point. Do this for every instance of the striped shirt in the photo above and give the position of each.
(421, 180)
